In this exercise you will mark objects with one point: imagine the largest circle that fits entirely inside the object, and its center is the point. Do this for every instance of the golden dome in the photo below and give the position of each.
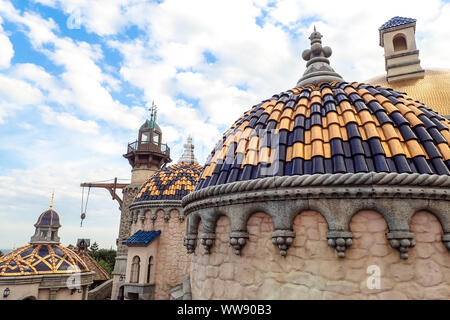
(36, 259)
(432, 90)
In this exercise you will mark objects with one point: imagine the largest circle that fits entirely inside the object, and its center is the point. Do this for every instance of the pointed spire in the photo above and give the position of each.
(51, 202)
(188, 154)
(318, 67)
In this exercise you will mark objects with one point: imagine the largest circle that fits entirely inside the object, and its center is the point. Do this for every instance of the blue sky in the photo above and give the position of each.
(77, 78)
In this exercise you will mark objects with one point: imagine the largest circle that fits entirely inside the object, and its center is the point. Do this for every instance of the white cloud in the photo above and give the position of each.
(6, 49)
(67, 120)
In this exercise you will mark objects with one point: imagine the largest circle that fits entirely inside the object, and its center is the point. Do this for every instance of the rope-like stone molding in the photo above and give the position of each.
(363, 180)
(328, 179)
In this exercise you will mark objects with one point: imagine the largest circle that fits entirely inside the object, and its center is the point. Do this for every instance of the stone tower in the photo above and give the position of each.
(397, 37)
(146, 156)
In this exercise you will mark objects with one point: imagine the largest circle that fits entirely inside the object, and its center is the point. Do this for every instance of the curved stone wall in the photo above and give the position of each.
(312, 270)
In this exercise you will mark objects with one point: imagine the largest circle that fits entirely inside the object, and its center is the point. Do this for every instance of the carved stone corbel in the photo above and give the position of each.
(207, 241)
(283, 239)
(167, 216)
(340, 240)
(238, 239)
(190, 242)
(401, 240)
(153, 216)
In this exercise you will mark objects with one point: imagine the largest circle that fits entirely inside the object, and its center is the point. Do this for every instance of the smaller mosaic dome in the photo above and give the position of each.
(170, 183)
(49, 218)
(37, 259)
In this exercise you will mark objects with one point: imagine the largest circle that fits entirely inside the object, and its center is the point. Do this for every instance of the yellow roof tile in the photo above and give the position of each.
(316, 133)
(264, 154)
(332, 117)
(389, 131)
(389, 107)
(365, 116)
(412, 119)
(317, 148)
(298, 150)
(334, 131)
(349, 116)
(415, 148)
(444, 150)
(396, 147)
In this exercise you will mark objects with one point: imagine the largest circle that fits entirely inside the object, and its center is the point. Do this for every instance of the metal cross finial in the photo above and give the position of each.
(153, 109)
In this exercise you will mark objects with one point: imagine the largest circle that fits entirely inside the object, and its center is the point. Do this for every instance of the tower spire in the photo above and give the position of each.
(51, 202)
(318, 67)
(188, 153)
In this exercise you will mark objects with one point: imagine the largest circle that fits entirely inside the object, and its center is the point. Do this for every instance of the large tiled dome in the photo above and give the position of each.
(331, 127)
(37, 259)
(170, 183)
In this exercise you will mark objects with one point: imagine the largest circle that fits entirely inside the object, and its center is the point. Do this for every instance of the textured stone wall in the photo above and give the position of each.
(129, 193)
(171, 262)
(312, 270)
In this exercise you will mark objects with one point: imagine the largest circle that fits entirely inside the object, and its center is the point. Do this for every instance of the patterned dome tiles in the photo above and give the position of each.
(37, 259)
(171, 183)
(336, 127)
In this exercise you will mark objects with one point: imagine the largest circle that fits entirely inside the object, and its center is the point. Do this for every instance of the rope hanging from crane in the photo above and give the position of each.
(83, 212)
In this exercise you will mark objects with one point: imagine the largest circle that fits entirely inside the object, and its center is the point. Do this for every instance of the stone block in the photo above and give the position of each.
(423, 249)
(379, 250)
(401, 272)
(428, 273)
(226, 271)
(342, 287)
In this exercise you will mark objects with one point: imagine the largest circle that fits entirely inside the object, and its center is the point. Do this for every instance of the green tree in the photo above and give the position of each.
(106, 258)
(105, 265)
(1, 253)
(93, 248)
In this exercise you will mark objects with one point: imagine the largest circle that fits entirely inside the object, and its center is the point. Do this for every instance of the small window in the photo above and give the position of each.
(53, 235)
(149, 269)
(399, 42)
(43, 233)
(145, 137)
(155, 138)
(135, 269)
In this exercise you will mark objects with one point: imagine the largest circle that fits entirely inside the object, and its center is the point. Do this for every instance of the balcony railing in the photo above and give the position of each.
(148, 146)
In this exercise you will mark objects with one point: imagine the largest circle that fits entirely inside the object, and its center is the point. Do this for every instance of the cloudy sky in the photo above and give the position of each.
(77, 77)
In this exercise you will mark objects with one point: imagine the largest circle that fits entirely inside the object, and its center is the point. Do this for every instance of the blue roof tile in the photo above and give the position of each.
(396, 21)
(142, 237)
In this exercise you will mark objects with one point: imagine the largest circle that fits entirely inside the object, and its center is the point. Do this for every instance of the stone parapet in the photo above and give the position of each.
(336, 196)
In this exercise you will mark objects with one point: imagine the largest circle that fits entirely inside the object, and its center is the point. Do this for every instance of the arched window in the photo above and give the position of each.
(135, 268)
(399, 42)
(149, 269)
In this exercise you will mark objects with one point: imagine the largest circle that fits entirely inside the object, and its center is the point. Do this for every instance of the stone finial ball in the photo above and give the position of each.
(316, 49)
(327, 52)
(306, 55)
(233, 241)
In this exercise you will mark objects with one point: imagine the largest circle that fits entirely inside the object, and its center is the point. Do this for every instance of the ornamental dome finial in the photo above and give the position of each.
(318, 67)
(188, 154)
